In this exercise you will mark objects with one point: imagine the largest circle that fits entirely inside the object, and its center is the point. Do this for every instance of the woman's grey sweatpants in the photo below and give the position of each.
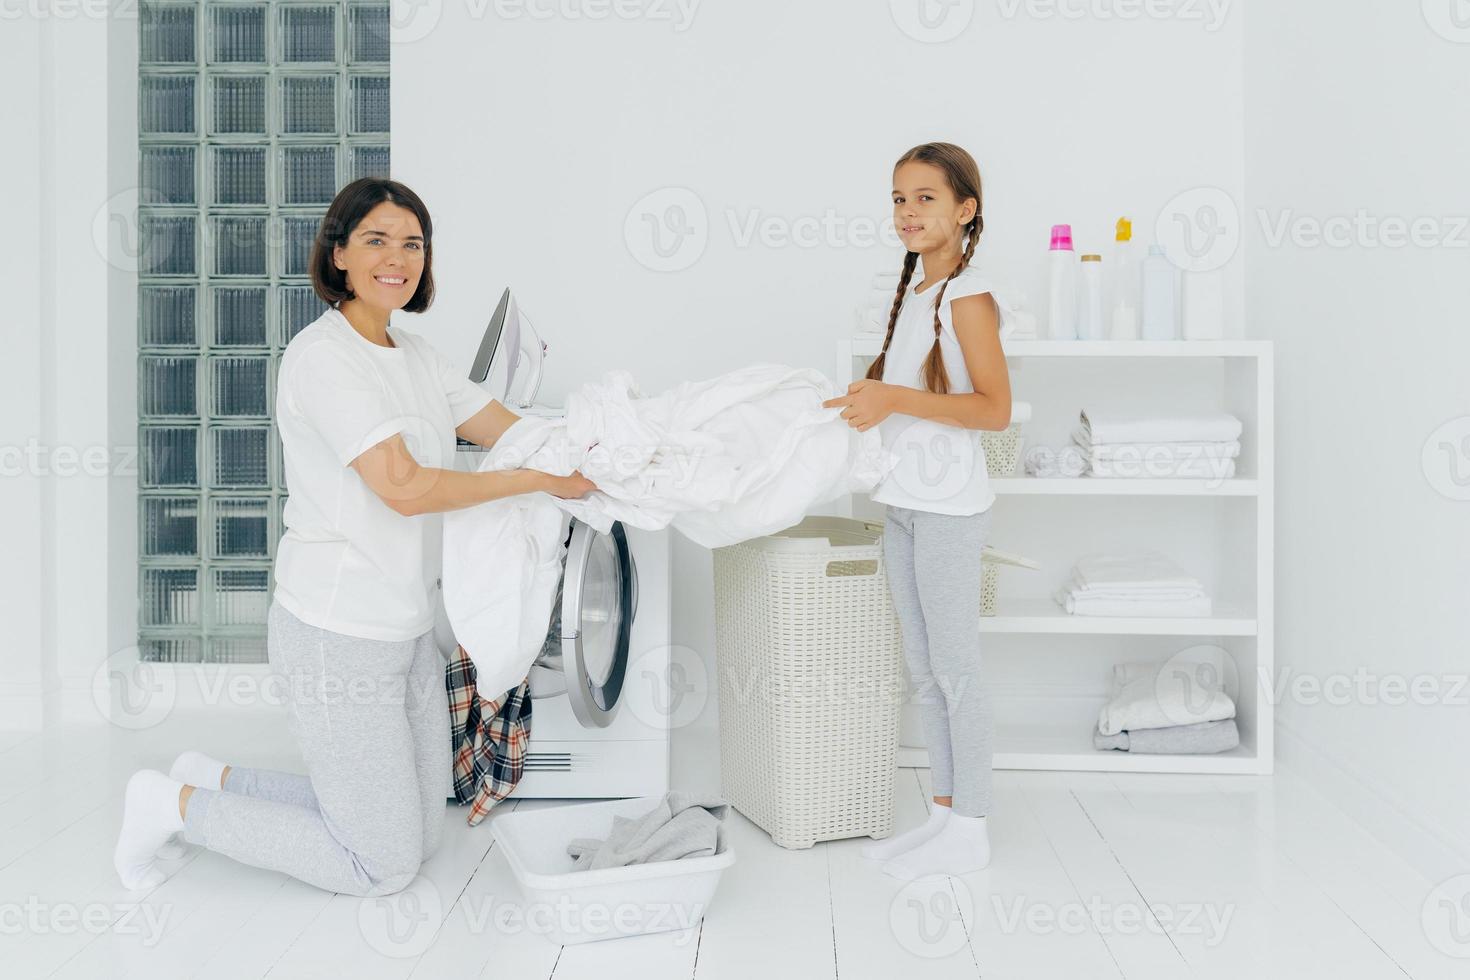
(372, 720)
(933, 566)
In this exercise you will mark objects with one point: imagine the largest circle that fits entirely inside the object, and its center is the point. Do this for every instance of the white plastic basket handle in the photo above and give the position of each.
(865, 573)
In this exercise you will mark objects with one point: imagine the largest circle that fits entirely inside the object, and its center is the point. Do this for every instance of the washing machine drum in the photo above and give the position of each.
(585, 655)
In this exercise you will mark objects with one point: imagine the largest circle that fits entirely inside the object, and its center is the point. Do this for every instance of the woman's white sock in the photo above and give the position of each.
(961, 846)
(192, 769)
(150, 815)
(197, 769)
(884, 849)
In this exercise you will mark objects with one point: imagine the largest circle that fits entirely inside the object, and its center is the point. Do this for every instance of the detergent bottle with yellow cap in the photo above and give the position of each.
(1125, 270)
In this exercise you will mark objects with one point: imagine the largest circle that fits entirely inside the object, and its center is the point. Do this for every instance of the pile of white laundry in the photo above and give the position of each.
(1178, 707)
(736, 457)
(1202, 446)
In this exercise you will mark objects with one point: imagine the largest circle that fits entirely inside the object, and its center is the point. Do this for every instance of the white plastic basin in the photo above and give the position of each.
(585, 906)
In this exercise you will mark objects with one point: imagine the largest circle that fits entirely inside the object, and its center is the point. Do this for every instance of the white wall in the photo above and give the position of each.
(21, 489)
(1349, 108)
(532, 140)
(66, 570)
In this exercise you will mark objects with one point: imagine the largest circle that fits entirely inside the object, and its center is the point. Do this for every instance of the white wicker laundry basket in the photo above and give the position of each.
(810, 681)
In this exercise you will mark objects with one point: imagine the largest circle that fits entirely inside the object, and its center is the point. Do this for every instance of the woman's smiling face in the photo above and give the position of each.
(383, 257)
(925, 211)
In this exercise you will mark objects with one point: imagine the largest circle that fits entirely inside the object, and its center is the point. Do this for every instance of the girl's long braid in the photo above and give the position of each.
(875, 370)
(936, 378)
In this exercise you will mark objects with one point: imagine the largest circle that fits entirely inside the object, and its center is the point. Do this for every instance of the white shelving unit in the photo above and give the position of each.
(1049, 669)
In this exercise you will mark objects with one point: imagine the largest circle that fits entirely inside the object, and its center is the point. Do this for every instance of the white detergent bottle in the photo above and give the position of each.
(1124, 272)
(1090, 299)
(1062, 292)
(1158, 296)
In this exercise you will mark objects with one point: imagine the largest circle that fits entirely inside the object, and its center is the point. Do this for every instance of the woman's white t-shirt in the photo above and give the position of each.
(348, 562)
(941, 467)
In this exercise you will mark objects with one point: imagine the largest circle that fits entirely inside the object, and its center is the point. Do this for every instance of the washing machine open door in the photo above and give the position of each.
(598, 602)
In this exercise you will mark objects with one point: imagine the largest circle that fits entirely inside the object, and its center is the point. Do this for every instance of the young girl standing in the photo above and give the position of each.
(940, 379)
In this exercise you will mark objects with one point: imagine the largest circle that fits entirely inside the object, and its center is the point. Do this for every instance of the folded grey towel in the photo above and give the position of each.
(1196, 739)
(681, 825)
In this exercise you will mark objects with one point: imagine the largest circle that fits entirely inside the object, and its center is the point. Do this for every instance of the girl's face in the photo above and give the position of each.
(925, 211)
(383, 257)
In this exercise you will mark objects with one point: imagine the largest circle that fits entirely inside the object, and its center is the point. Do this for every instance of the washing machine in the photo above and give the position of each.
(601, 684)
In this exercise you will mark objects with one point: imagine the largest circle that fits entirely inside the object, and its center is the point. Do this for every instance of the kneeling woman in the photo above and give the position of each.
(367, 415)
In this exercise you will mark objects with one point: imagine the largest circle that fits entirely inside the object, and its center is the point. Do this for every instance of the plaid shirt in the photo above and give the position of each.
(490, 737)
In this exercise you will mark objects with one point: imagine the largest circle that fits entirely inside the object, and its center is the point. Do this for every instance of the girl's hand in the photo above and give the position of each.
(866, 403)
(569, 487)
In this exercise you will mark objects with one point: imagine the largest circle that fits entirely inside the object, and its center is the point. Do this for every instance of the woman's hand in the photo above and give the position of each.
(866, 403)
(569, 487)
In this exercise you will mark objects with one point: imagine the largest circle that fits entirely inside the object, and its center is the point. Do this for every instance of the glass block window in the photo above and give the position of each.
(252, 115)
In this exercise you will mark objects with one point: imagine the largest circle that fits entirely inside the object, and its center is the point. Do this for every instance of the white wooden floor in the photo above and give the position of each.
(1094, 876)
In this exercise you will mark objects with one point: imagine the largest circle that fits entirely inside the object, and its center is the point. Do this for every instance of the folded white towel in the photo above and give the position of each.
(1180, 469)
(1164, 695)
(1158, 460)
(1165, 450)
(1155, 608)
(1103, 426)
(1144, 569)
(1020, 412)
(1156, 593)
(1153, 450)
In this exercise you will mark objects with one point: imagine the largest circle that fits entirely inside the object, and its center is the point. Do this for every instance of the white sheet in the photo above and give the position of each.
(722, 461)
(1103, 426)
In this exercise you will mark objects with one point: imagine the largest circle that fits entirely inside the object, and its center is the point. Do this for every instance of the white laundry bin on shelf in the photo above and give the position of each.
(810, 681)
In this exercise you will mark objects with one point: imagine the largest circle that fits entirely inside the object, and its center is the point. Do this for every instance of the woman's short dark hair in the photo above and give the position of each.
(349, 207)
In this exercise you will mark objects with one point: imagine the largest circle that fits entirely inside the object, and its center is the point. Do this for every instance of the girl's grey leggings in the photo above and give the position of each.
(933, 566)
(372, 720)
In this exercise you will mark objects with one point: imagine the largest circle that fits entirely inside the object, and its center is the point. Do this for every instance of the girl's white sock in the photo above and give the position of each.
(884, 849)
(150, 815)
(961, 846)
(192, 769)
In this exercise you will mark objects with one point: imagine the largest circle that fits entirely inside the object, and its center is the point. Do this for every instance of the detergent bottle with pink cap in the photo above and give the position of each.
(1062, 290)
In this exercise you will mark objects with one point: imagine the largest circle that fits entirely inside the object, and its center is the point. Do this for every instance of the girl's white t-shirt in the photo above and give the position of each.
(347, 562)
(941, 467)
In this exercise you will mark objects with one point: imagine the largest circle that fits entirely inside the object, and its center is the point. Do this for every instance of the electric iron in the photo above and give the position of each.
(511, 356)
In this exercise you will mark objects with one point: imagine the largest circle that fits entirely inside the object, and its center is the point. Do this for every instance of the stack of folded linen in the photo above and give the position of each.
(1144, 584)
(1175, 708)
(1159, 446)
